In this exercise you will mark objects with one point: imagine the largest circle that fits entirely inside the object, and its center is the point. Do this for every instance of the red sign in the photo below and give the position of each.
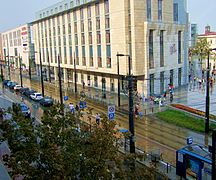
(24, 33)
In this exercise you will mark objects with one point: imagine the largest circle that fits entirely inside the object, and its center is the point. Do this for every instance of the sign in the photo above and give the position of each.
(111, 112)
(189, 140)
(111, 116)
(82, 104)
(65, 98)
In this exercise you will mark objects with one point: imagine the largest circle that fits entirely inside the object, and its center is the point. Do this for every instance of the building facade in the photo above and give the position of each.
(86, 35)
(17, 44)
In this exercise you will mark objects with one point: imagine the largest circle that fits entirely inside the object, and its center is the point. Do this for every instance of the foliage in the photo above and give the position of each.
(57, 149)
(183, 120)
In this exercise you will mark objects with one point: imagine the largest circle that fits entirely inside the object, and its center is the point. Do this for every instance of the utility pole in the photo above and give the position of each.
(131, 114)
(41, 73)
(75, 74)
(119, 97)
(207, 97)
(20, 66)
(60, 85)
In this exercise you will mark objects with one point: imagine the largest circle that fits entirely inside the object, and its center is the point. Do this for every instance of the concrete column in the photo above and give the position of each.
(56, 73)
(65, 75)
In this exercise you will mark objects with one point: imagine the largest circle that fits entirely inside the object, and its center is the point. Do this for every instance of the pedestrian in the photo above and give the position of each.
(83, 85)
(136, 111)
(97, 118)
(72, 109)
(77, 108)
(164, 95)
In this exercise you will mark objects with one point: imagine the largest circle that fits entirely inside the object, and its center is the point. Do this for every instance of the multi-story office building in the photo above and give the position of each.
(17, 44)
(88, 34)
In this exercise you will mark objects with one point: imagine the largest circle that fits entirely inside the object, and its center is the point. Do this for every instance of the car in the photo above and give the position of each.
(12, 85)
(23, 89)
(29, 92)
(5, 82)
(25, 109)
(9, 83)
(36, 96)
(46, 101)
(17, 87)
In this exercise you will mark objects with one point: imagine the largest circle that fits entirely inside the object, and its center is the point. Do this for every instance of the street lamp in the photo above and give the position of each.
(207, 93)
(59, 76)
(131, 116)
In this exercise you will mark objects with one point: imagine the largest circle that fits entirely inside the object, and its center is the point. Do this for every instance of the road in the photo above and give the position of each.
(151, 134)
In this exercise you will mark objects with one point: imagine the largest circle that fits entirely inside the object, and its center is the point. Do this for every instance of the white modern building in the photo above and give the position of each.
(17, 44)
(88, 34)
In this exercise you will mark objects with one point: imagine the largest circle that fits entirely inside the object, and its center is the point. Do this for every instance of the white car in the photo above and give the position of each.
(17, 87)
(36, 96)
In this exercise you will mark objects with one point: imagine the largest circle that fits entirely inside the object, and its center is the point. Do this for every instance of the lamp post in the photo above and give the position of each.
(20, 67)
(41, 73)
(119, 97)
(207, 94)
(59, 76)
(131, 117)
(75, 75)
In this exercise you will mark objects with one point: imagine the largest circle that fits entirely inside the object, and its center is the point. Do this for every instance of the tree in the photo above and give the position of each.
(57, 149)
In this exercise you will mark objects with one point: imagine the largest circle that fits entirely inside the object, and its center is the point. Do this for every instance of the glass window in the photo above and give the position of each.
(162, 82)
(82, 26)
(77, 55)
(89, 25)
(149, 9)
(81, 13)
(75, 27)
(83, 56)
(89, 11)
(175, 12)
(98, 37)
(95, 81)
(75, 16)
(179, 47)
(76, 39)
(65, 55)
(151, 51)
(106, 6)
(97, 9)
(107, 36)
(98, 23)
(83, 38)
(171, 76)
(108, 53)
(99, 56)
(151, 84)
(91, 55)
(161, 48)
(160, 10)
(90, 38)
(107, 22)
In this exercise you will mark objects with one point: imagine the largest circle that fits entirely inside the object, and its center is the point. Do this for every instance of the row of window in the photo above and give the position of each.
(160, 10)
(161, 43)
(163, 81)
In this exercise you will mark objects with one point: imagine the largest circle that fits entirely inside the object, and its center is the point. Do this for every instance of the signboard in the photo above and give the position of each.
(189, 140)
(65, 98)
(111, 112)
(82, 104)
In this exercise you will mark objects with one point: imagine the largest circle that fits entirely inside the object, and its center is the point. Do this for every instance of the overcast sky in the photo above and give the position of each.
(18, 12)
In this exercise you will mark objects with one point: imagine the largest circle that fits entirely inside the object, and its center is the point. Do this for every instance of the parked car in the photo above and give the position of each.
(17, 87)
(5, 82)
(25, 109)
(46, 101)
(12, 85)
(9, 83)
(36, 96)
(23, 89)
(29, 92)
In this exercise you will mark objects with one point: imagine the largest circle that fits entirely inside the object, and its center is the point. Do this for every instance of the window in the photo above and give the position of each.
(106, 6)
(75, 16)
(77, 55)
(95, 81)
(161, 48)
(99, 56)
(107, 36)
(90, 38)
(82, 26)
(75, 27)
(179, 47)
(151, 51)
(97, 23)
(160, 10)
(89, 25)
(112, 86)
(91, 56)
(76, 39)
(149, 9)
(108, 53)
(89, 11)
(171, 76)
(83, 38)
(81, 14)
(69, 28)
(179, 76)
(161, 82)
(65, 55)
(151, 84)
(98, 37)
(71, 55)
(60, 54)
(83, 56)
(107, 22)
(175, 12)
(69, 17)
(97, 9)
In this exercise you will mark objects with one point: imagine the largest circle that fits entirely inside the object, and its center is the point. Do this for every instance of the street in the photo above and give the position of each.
(151, 134)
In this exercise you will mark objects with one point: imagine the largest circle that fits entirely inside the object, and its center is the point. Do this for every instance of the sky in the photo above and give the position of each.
(18, 12)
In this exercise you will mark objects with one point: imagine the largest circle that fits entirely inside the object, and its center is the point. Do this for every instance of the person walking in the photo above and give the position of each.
(77, 108)
(72, 109)
(97, 118)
